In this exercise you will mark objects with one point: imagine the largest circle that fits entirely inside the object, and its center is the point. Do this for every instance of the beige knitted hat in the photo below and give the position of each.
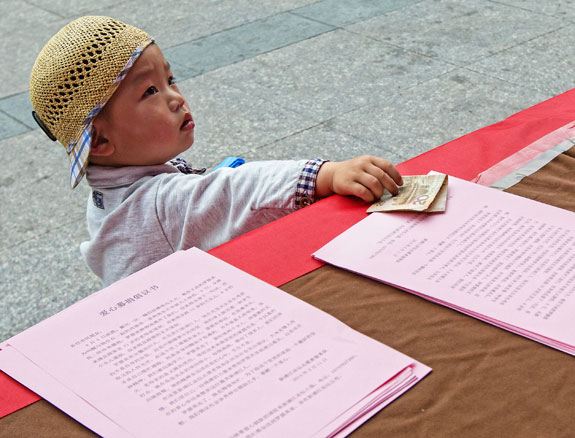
(73, 77)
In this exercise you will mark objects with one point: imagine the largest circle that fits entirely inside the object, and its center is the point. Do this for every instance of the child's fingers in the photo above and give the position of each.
(389, 170)
(388, 182)
(376, 182)
(361, 191)
(382, 181)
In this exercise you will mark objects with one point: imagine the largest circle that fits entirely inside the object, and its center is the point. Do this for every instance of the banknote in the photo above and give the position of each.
(439, 203)
(427, 193)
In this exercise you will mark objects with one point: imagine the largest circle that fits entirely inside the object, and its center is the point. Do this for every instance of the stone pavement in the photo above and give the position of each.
(271, 79)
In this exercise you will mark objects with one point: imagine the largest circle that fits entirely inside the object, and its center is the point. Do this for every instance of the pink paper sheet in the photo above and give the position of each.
(162, 354)
(507, 260)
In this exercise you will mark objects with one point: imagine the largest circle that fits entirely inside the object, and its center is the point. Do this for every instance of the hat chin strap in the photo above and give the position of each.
(43, 126)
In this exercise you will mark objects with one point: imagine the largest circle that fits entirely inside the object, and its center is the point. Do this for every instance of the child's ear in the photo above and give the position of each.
(101, 146)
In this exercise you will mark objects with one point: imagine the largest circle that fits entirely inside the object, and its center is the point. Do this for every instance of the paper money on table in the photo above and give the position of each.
(426, 193)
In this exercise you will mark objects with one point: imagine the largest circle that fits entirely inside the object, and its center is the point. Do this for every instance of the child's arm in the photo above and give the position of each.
(365, 177)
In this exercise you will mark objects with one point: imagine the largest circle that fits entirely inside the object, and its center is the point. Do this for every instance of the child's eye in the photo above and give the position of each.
(171, 80)
(150, 91)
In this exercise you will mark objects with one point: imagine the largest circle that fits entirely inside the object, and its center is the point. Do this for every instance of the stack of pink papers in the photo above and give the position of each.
(192, 346)
(497, 257)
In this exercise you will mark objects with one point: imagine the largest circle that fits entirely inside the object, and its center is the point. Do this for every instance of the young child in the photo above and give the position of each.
(103, 89)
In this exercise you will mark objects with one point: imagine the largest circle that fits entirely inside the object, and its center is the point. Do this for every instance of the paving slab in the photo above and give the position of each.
(19, 108)
(70, 10)
(322, 141)
(234, 45)
(230, 121)
(42, 222)
(345, 12)
(533, 65)
(463, 101)
(35, 191)
(556, 8)
(42, 276)
(28, 25)
(325, 76)
(25, 30)
(9, 126)
(174, 22)
(458, 31)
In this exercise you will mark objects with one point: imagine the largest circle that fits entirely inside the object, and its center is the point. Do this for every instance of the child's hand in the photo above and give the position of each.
(365, 177)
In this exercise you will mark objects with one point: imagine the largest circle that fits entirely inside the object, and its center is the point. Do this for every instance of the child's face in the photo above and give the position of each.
(147, 120)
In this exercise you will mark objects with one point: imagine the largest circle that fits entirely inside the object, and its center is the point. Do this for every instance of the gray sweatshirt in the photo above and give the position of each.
(138, 215)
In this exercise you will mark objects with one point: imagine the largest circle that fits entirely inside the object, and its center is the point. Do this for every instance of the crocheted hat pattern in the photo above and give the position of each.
(77, 71)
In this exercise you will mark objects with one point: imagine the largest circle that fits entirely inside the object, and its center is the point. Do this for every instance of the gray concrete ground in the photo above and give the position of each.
(271, 79)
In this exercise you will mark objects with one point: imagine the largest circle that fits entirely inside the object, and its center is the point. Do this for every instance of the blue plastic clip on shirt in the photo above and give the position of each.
(231, 162)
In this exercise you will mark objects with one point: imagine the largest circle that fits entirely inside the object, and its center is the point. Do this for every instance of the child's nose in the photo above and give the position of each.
(176, 101)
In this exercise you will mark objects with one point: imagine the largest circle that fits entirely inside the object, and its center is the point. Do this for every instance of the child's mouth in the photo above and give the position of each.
(188, 123)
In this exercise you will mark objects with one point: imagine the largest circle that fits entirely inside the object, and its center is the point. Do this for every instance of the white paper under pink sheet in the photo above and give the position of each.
(530, 152)
(499, 257)
(191, 346)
